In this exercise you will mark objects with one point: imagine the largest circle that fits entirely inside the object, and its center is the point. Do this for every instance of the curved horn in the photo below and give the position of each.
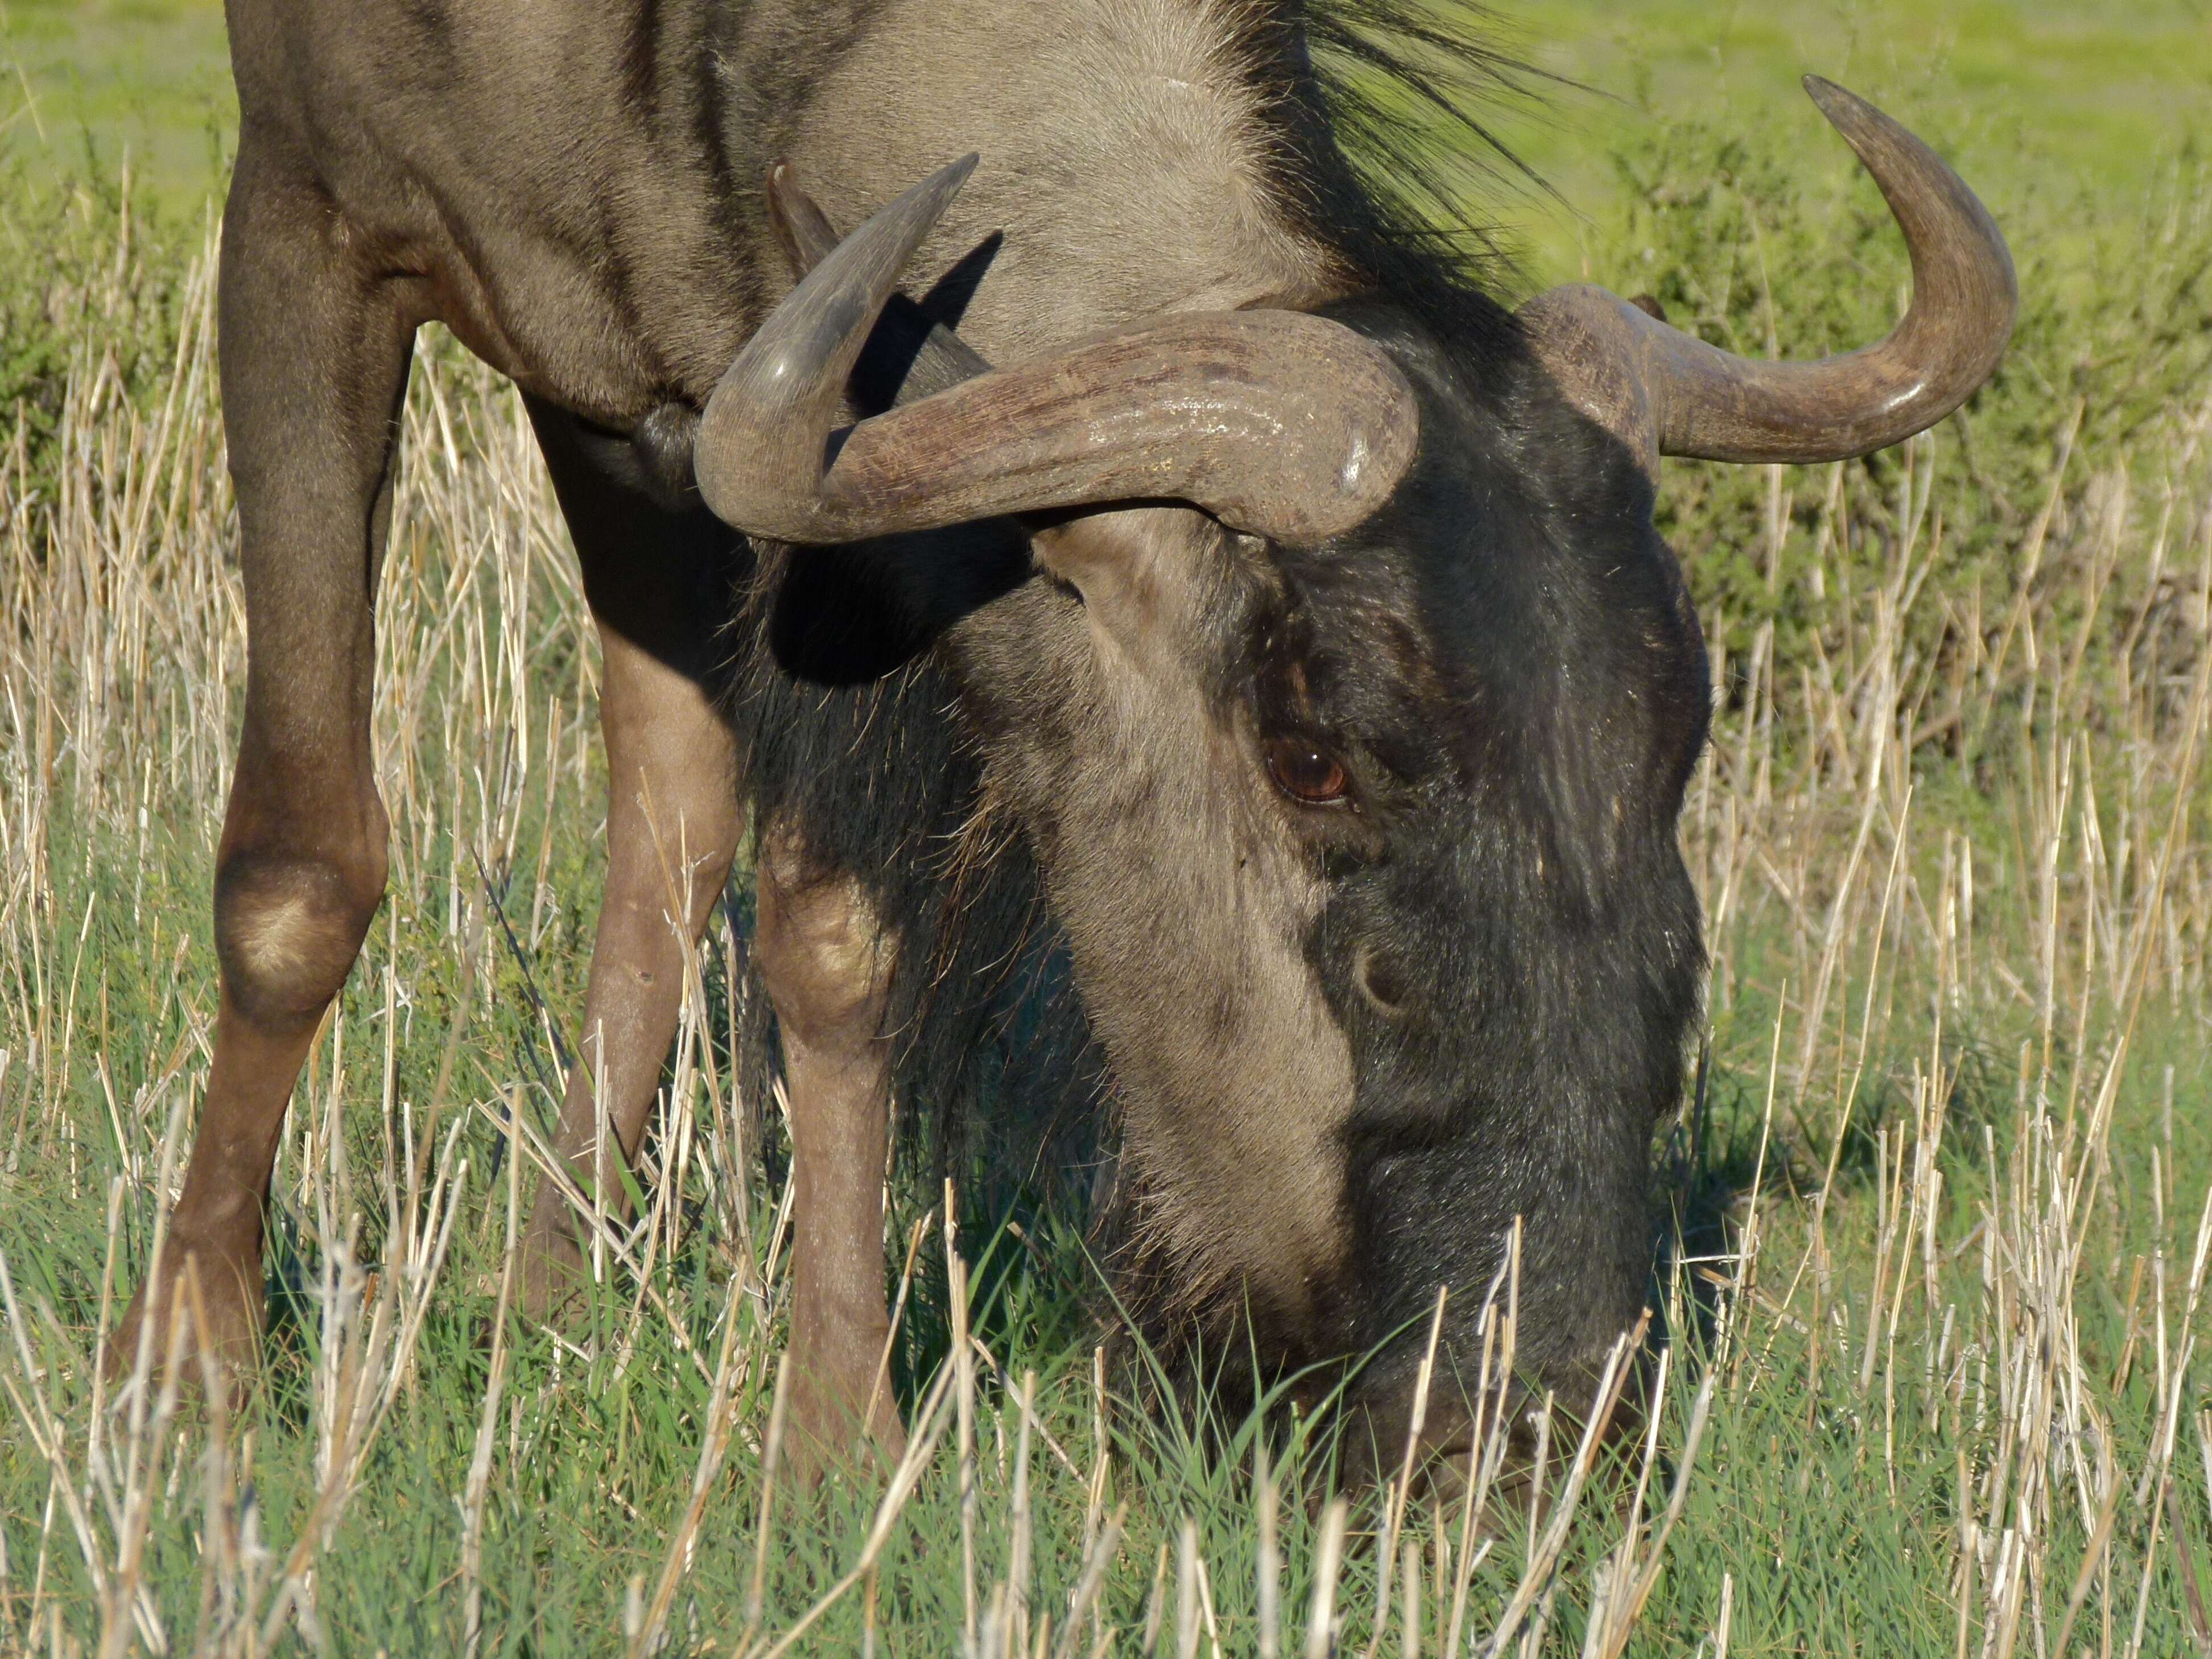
(1278, 422)
(1670, 393)
(928, 356)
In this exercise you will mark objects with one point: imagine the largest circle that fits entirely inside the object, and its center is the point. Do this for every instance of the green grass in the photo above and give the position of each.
(86, 84)
(1935, 1216)
(2052, 94)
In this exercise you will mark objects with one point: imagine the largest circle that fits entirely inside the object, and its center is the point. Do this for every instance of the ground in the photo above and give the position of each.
(1936, 1242)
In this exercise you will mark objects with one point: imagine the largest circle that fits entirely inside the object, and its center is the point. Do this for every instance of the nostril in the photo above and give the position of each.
(1380, 980)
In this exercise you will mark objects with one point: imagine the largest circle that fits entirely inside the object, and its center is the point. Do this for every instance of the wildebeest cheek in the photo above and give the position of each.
(1233, 1077)
(1239, 1166)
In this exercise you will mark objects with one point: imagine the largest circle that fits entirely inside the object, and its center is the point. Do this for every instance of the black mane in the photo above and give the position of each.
(1387, 112)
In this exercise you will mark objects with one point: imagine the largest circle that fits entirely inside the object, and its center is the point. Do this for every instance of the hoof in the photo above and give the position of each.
(203, 1314)
(825, 1434)
(554, 1279)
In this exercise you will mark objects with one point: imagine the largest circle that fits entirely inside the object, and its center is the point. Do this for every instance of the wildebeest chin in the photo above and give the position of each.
(1197, 665)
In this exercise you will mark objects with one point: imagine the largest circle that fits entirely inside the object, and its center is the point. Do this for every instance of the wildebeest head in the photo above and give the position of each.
(1349, 730)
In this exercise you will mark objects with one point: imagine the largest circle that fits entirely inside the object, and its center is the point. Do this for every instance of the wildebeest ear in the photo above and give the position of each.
(1133, 565)
(846, 615)
(1139, 568)
(910, 353)
(1281, 422)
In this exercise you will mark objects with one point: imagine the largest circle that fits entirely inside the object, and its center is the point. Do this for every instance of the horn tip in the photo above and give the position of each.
(954, 175)
(1844, 109)
(930, 198)
(1826, 93)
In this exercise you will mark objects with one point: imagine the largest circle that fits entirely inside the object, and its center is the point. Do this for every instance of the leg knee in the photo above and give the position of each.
(697, 837)
(288, 929)
(694, 823)
(822, 950)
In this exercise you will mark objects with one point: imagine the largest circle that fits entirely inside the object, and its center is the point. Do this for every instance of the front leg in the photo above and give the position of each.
(827, 962)
(660, 584)
(315, 345)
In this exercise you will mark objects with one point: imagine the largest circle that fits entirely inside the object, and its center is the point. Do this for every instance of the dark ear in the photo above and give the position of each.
(850, 614)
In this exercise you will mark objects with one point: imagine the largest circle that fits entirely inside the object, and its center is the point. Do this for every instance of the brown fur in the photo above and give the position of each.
(1186, 912)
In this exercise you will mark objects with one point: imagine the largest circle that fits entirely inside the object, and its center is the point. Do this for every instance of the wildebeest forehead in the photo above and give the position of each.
(1362, 647)
(1512, 613)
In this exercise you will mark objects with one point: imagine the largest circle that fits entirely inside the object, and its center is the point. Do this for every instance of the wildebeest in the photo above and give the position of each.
(1277, 636)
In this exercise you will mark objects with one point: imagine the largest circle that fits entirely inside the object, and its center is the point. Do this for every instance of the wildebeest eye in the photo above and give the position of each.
(1306, 772)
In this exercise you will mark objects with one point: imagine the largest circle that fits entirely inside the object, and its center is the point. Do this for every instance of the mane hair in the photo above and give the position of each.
(1393, 152)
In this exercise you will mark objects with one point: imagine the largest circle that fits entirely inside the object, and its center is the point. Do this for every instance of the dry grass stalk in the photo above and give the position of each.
(1329, 1562)
(473, 1497)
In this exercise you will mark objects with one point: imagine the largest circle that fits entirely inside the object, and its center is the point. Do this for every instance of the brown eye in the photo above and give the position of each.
(1307, 772)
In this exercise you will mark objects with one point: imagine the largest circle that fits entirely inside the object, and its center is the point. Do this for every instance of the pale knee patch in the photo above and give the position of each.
(287, 940)
(822, 951)
(287, 933)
